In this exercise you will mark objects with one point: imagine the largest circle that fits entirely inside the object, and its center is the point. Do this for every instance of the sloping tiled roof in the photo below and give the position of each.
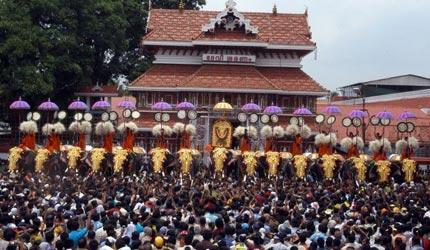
(414, 105)
(227, 77)
(279, 29)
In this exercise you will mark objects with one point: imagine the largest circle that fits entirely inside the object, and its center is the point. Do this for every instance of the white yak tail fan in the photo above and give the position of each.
(266, 131)
(306, 131)
(178, 128)
(358, 141)
(413, 142)
(191, 129)
(346, 143)
(278, 132)
(292, 130)
(400, 146)
(239, 131)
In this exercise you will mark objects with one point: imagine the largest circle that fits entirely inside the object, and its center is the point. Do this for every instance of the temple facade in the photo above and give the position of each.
(205, 57)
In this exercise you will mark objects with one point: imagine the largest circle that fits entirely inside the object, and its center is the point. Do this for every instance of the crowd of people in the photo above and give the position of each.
(168, 212)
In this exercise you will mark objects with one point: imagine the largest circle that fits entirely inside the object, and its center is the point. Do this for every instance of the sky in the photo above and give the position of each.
(358, 40)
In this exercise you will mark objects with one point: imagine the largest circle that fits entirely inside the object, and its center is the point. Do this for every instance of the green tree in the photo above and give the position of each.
(48, 48)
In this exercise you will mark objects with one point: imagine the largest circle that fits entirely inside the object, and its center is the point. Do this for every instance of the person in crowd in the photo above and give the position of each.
(146, 212)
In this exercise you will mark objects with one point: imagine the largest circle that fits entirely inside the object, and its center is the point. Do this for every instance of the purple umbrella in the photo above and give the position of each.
(78, 105)
(19, 104)
(407, 115)
(161, 106)
(385, 115)
(126, 104)
(302, 111)
(101, 105)
(272, 110)
(332, 110)
(356, 113)
(185, 106)
(251, 107)
(48, 106)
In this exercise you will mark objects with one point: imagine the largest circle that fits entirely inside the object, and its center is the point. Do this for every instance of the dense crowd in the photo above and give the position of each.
(202, 212)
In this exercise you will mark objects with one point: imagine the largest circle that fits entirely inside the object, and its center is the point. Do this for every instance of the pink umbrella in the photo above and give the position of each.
(185, 106)
(407, 115)
(385, 115)
(162, 106)
(332, 110)
(48, 106)
(101, 105)
(356, 113)
(19, 105)
(78, 105)
(302, 111)
(126, 104)
(272, 110)
(251, 107)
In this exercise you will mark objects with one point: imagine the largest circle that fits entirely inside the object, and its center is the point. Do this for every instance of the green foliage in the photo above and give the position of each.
(48, 48)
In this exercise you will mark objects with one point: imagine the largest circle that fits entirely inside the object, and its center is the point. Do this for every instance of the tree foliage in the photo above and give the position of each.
(51, 47)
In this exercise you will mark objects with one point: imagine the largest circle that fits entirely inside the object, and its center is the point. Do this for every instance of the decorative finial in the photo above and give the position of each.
(275, 9)
(181, 5)
(306, 11)
(150, 5)
(230, 4)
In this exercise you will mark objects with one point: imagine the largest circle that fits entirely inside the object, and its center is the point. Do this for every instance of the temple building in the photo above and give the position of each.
(205, 57)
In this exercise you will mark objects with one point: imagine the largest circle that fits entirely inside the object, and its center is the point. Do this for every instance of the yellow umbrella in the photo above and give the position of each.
(223, 107)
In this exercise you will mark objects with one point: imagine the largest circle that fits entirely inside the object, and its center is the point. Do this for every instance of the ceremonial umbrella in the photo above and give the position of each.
(385, 115)
(407, 115)
(223, 106)
(356, 113)
(302, 111)
(48, 106)
(162, 106)
(77, 105)
(19, 105)
(126, 104)
(101, 105)
(331, 110)
(272, 110)
(251, 107)
(185, 106)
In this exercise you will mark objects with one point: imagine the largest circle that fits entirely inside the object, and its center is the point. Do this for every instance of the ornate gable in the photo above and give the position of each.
(230, 19)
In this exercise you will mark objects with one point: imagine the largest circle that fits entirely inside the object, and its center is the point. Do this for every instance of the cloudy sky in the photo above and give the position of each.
(358, 40)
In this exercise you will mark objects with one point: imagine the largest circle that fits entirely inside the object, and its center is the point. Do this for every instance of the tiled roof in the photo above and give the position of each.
(227, 77)
(279, 29)
(414, 105)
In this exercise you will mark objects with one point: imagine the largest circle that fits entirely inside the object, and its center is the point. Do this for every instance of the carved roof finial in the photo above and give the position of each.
(275, 9)
(181, 5)
(306, 11)
(230, 4)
